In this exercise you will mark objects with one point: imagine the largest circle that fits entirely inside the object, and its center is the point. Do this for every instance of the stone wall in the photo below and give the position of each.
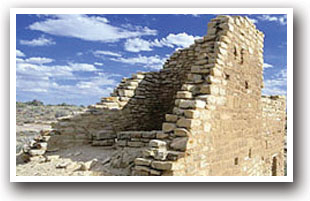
(217, 120)
(207, 102)
(274, 116)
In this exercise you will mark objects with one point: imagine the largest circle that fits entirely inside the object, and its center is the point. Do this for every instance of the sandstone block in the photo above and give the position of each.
(121, 143)
(179, 143)
(181, 132)
(90, 164)
(168, 127)
(192, 114)
(155, 172)
(149, 134)
(186, 104)
(157, 144)
(104, 134)
(37, 152)
(142, 168)
(188, 123)
(216, 72)
(200, 69)
(213, 80)
(184, 94)
(209, 89)
(162, 165)
(142, 161)
(135, 144)
(171, 117)
(201, 62)
(161, 135)
(103, 142)
(175, 155)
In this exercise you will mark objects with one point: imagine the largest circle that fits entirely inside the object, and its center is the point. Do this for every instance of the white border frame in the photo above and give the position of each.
(287, 11)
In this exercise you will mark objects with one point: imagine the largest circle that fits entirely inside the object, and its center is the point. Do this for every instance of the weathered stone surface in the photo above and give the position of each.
(135, 144)
(157, 143)
(143, 161)
(179, 143)
(193, 114)
(161, 165)
(181, 132)
(37, 152)
(188, 123)
(168, 127)
(184, 94)
(171, 117)
(191, 104)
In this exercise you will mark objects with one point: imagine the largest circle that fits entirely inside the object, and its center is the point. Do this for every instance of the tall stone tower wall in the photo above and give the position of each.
(202, 114)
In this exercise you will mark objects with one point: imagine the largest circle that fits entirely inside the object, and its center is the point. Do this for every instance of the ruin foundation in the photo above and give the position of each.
(202, 114)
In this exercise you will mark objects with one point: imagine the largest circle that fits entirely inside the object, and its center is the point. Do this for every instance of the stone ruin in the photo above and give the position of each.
(202, 114)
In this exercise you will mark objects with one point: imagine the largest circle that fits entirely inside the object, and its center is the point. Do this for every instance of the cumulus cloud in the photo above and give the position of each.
(82, 67)
(90, 28)
(39, 60)
(50, 82)
(277, 84)
(280, 19)
(100, 53)
(19, 53)
(137, 45)
(180, 40)
(98, 64)
(152, 62)
(266, 65)
(41, 41)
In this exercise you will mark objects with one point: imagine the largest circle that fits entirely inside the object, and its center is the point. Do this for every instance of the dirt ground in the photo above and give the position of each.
(83, 160)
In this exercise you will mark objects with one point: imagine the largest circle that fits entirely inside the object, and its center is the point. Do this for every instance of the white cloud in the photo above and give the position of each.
(279, 19)
(88, 28)
(98, 64)
(50, 81)
(82, 67)
(152, 62)
(180, 40)
(254, 21)
(36, 67)
(277, 84)
(19, 53)
(99, 53)
(137, 45)
(41, 41)
(266, 65)
(39, 60)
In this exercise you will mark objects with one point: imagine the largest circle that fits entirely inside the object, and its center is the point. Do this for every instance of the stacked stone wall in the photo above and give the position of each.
(138, 103)
(274, 134)
(202, 114)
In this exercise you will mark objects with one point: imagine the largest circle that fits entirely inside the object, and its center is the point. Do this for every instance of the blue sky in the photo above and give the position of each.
(78, 59)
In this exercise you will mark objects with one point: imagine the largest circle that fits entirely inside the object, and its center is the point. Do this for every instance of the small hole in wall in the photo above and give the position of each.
(226, 76)
(274, 166)
(241, 55)
(266, 142)
(236, 161)
(250, 153)
(235, 52)
(246, 84)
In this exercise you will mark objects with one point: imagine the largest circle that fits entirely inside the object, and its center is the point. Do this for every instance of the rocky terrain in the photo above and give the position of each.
(33, 121)
(33, 116)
